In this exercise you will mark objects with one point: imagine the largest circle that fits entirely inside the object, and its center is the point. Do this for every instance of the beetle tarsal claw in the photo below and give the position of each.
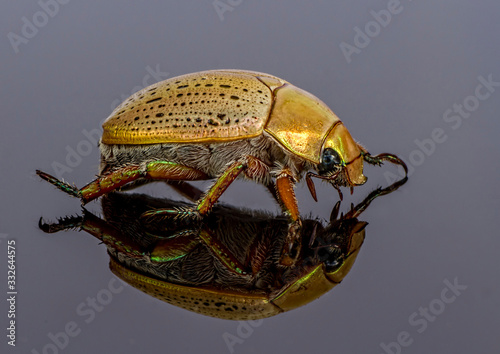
(358, 209)
(66, 223)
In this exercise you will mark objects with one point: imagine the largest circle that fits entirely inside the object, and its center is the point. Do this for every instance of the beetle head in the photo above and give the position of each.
(341, 160)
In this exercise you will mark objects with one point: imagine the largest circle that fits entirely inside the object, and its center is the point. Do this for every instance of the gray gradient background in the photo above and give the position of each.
(441, 225)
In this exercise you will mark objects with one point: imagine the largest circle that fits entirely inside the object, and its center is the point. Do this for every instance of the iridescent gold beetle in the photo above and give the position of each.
(220, 124)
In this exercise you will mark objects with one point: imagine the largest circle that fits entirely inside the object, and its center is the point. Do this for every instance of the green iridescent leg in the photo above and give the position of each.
(98, 228)
(155, 170)
(65, 187)
(176, 247)
(219, 187)
(222, 253)
(206, 203)
(181, 243)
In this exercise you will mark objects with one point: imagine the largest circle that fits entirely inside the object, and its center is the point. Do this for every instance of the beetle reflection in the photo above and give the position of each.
(227, 265)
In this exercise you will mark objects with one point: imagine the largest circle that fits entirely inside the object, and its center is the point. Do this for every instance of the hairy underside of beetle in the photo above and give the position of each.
(253, 238)
(211, 159)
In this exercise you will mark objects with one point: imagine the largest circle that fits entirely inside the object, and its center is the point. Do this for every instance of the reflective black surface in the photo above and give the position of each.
(423, 87)
(226, 265)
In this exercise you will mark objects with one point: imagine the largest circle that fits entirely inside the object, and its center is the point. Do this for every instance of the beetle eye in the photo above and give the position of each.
(334, 262)
(329, 159)
(332, 257)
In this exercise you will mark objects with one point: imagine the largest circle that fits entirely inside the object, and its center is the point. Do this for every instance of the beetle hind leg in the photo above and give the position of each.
(113, 180)
(100, 186)
(65, 187)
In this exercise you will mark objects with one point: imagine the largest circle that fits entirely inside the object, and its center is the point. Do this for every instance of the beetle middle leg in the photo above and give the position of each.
(253, 167)
(206, 203)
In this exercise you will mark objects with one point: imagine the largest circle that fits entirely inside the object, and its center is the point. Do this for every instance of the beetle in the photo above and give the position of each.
(226, 266)
(221, 124)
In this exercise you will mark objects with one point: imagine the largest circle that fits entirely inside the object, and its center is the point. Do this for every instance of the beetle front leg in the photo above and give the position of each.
(284, 188)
